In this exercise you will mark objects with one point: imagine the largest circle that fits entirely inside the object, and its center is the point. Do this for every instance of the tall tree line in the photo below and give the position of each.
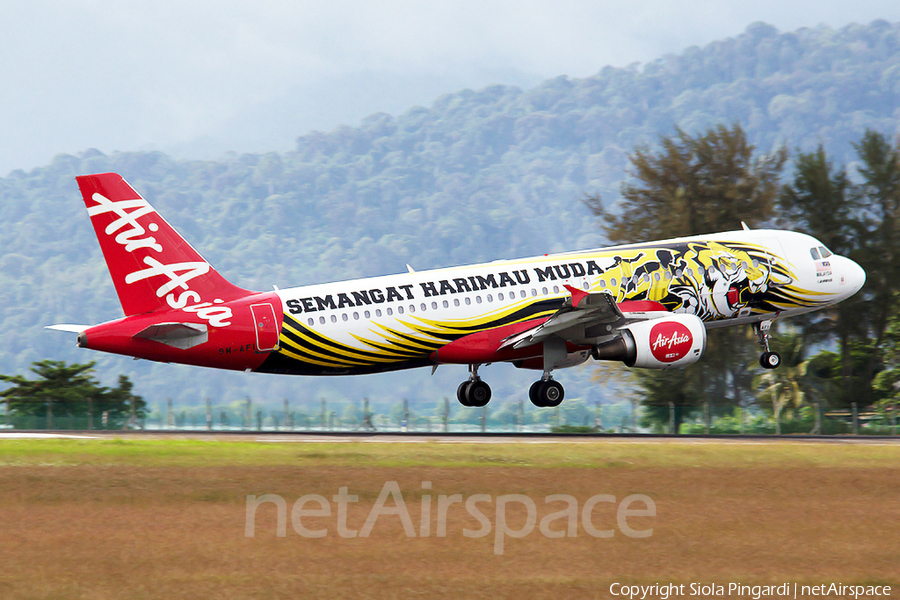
(713, 182)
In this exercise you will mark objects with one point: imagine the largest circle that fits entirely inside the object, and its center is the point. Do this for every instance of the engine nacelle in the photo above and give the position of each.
(671, 341)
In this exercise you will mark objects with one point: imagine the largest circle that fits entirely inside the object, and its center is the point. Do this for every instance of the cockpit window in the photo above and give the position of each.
(825, 252)
(815, 253)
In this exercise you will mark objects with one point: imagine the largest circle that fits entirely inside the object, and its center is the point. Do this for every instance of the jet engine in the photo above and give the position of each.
(670, 341)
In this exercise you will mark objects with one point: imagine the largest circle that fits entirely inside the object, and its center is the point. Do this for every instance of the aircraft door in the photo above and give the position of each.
(777, 266)
(266, 327)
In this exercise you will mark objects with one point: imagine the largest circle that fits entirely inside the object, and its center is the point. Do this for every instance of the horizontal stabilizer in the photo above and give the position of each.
(177, 335)
(68, 327)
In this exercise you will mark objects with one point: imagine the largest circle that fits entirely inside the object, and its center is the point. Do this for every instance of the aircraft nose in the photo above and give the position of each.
(853, 276)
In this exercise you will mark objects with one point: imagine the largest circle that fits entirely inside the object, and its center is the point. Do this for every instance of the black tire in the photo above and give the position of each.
(478, 393)
(770, 360)
(534, 393)
(461, 393)
(551, 393)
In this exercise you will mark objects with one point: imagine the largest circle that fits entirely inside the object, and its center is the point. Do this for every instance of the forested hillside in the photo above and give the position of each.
(478, 175)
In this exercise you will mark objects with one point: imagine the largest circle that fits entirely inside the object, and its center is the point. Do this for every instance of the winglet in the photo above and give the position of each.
(744, 225)
(577, 295)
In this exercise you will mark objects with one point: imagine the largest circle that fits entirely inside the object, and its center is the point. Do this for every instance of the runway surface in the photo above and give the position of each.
(422, 437)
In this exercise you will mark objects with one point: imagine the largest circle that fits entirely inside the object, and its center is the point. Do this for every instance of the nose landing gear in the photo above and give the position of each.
(768, 359)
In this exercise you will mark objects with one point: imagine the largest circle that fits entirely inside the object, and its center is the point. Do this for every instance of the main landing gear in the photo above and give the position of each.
(473, 392)
(544, 393)
(768, 359)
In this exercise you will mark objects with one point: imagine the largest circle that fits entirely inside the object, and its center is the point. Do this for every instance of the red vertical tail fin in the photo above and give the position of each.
(151, 265)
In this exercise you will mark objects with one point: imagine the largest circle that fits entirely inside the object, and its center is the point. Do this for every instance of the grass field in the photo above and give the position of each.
(135, 518)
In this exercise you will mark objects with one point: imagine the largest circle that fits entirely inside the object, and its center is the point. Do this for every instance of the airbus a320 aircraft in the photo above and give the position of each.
(647, 305)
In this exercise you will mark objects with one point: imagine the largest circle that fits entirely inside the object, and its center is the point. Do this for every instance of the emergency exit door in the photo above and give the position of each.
(266, 327)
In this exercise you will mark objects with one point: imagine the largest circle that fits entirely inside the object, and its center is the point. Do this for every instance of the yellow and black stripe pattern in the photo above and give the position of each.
(406, 342)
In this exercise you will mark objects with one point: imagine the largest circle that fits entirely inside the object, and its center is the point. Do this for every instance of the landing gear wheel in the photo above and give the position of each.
(461, 392)
(534, 393)
(478, 393)
(770, 360)
(551, 393)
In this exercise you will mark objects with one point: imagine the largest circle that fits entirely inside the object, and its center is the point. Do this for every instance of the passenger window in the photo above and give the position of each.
(468, 301)
(322, 320)
(500, 296)
(412, 308)
(311, 321)
(612, 282)
(533, 292)
(656, 276)
(477, 299)
(490, 298)
(400, 310)
(434, 305)
(602, 283)
(367, 314)
(456, 302)
(544, 290)
(522, 294)
(814, 253)
(334, 318)
(344, 317)
(555, 289)
(377, 312)
(356, 316)
(446, 304)
(390, 311)
(423, 307)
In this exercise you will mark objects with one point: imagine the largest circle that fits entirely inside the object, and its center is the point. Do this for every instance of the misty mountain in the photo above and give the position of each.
(478, 175)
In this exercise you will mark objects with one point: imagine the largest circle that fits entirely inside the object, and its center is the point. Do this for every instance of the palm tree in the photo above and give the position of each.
(787, 386)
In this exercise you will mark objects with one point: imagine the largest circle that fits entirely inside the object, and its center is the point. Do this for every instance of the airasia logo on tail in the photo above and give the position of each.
(175, 287)
(670, 341)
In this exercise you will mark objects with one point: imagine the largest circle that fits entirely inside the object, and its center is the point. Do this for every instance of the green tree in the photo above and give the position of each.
(675, 390)
(70, 390)
(887, 382)
(879, 193)
(694, 185)
(787, 387)
(821, 202)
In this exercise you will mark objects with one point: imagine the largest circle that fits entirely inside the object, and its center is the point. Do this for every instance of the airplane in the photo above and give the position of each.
(646, 305)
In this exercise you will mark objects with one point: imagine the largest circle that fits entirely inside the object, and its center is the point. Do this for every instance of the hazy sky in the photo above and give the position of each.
(197, 78)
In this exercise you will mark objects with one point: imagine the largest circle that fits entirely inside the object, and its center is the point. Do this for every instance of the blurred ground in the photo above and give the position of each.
(128, 518)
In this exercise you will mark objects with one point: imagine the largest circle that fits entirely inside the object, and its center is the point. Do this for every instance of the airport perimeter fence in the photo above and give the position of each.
(626, 418)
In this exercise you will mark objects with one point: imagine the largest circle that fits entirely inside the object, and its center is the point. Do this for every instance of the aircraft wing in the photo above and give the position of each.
(585, 310)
